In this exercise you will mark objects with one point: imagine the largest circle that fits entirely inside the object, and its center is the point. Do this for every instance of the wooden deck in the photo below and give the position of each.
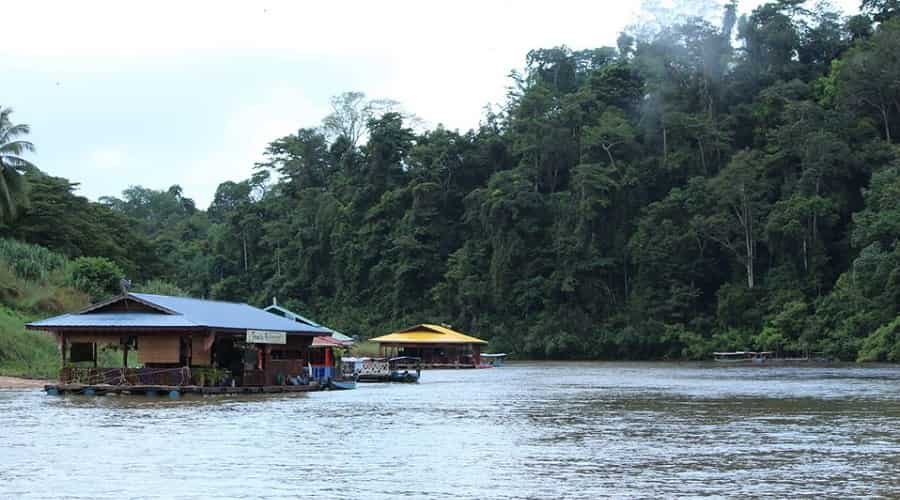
(173, 390)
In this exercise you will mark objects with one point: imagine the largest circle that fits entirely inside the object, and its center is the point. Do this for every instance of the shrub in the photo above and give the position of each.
(96, 276)
(883, 344)
(160, 287)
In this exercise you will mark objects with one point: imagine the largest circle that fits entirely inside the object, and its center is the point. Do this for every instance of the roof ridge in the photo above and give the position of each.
(191, 298)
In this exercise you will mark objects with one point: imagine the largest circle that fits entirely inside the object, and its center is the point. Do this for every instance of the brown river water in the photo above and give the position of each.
(527, 430)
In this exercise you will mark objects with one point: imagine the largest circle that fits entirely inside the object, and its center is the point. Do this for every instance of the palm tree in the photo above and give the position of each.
(12, 165)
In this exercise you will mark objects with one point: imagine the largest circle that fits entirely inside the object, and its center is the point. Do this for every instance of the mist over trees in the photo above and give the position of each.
(730, 183)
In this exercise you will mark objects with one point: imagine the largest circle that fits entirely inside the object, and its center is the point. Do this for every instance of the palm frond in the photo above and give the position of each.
(15, 162)
(16, 147)
(10, 131)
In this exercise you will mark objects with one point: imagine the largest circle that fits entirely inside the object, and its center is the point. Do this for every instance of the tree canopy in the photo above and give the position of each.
(702, 186)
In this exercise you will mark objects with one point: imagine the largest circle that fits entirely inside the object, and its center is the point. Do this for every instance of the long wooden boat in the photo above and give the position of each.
(741, 357)
(763, 358)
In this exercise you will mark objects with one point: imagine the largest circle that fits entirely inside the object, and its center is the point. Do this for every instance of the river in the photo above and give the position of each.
(527, 430)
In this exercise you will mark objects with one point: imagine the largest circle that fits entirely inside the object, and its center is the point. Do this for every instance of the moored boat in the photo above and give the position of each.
(401, 369)
(764, 357)
(741, 357)
(492, 360)
(342, 385)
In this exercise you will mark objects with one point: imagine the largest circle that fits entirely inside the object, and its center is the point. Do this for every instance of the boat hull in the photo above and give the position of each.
(405, 377)
(342, 385)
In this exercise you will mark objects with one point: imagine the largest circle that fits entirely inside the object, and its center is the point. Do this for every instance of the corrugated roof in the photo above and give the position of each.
(428, 334)
(116, 319)
(181, 312)
(329, 342)
(302, 319)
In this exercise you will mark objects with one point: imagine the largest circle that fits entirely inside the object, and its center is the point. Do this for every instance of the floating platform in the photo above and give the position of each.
(173, 390)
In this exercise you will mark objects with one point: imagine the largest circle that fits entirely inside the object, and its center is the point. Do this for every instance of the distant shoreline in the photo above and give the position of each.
(16, 383)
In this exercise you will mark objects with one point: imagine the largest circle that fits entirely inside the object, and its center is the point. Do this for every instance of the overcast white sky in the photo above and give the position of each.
(176, 92)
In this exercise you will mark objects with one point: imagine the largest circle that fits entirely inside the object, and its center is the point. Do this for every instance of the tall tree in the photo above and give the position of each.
(12, 164)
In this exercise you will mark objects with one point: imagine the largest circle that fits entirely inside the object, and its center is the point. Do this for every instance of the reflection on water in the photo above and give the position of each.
(528, 430)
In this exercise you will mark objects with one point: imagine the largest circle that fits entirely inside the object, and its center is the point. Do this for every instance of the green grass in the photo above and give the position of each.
(32, 286)
(23, 353)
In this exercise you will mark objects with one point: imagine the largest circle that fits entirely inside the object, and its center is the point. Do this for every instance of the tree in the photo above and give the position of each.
(741, 194)
(870, 76)
(881, 10)
(350, 115)
(12, 164)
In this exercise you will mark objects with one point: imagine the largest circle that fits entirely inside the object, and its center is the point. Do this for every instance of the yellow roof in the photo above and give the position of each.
(428, 334)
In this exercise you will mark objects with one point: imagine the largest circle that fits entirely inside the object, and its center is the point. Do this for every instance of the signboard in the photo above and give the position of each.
(266, 337)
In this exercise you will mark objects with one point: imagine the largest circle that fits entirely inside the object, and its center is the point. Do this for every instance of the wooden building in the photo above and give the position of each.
(181, 341)
(324, 351)
(438, 346)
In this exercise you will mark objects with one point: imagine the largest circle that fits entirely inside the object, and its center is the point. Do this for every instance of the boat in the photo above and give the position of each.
(400, 369)
(492, 360)
(342, 385)
(742, 357)
(366, 369)
(406, 369)
(405, 377)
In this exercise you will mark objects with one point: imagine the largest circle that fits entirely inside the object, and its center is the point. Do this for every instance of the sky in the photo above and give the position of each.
(190, 93)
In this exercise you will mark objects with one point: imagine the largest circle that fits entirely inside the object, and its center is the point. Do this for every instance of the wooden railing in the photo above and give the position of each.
(253, 378)
(126, 376)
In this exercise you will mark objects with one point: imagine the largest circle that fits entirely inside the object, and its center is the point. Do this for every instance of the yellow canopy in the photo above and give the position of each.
(427, 334)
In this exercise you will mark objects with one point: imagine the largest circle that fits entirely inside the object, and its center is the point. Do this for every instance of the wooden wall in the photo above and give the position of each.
(90, 338)
(200, 356)
(159, 349)
(126, 305)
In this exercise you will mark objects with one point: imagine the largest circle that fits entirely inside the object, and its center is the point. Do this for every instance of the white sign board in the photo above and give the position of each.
(266, 337)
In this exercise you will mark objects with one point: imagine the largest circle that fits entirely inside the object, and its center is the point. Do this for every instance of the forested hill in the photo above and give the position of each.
(698, 187)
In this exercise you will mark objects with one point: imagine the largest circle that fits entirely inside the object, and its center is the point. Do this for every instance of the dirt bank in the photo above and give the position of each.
(8, 383)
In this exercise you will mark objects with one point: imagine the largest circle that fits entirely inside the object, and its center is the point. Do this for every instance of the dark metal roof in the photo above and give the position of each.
(180, 312)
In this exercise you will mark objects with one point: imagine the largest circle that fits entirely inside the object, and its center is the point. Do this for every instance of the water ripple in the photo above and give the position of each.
(531, 430)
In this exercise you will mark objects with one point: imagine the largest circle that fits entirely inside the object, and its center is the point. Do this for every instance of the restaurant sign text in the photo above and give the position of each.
(266, 337)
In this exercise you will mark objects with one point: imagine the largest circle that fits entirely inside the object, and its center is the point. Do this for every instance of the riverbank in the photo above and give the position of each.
(16, 383)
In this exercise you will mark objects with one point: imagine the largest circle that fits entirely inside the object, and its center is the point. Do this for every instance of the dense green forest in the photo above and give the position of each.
(702, 186)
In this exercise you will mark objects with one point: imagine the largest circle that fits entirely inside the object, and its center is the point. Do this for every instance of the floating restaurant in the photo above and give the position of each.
(437, 346)
(184, 345)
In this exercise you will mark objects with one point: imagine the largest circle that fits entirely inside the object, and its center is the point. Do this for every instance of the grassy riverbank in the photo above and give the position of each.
(22, 353)
(32, 286)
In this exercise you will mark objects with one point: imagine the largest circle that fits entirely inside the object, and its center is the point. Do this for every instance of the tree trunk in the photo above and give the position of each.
(805, 257)
(747, 222)
(244, 244)
(665, 146)
(702, 156)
